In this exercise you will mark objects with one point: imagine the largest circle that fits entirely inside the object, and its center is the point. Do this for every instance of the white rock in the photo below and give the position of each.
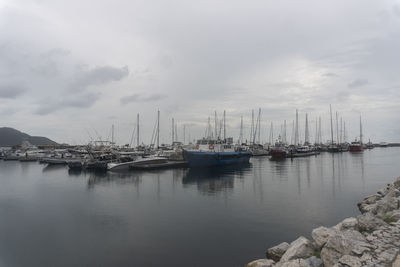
(300, 248)
(340, 244)
(295, 263)
(261, 263)
(368, 222)
(350, 261)
(315, 262)
(321, 235)
(349, 223)
(275, 253)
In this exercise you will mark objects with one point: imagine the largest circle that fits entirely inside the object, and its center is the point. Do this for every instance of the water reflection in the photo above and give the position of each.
(214, 180)
(50, 168)
(104, 178)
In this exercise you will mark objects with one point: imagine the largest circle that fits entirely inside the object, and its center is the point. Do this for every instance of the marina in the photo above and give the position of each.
(233, 211)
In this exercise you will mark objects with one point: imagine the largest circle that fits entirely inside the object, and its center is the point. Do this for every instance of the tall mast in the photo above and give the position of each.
(176, 131)
(284, 132)
(292, 136)
(224, 125)
(209, 128)
(330, 108)
(296, 131)
(259, 125)
(341, 131)
(319, 131)
(137, 129)
(252, 126)
(241, 130)
(337, 128)
(173, 131)
(316, 132)
(112, 134)
(256, 128)
(361, 131)
(306, 134)
(158, 129)
(215, 122)
(344, 132)
(184, 133)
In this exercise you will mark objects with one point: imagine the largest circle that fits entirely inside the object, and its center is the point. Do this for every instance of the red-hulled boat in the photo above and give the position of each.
(279, 151)
(356, 146)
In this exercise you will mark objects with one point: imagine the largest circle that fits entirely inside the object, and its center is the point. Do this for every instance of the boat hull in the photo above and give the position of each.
(278, 154)
(356, 148)
(211, 158)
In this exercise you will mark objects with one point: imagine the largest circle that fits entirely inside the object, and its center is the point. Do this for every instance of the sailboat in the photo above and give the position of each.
(356, 145)
(332, 146)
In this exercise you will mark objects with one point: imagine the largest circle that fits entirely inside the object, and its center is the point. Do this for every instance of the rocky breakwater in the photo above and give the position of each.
(370, 239)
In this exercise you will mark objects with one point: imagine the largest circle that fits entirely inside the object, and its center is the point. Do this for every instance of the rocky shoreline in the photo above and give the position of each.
(370, 239)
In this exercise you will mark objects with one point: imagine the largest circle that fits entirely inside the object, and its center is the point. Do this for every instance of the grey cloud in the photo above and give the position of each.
(73, 101)
(330, 74)
(98, 76)
(11, 91)
(396, 10)
(357, 83)
(342, 96)
(141, 98)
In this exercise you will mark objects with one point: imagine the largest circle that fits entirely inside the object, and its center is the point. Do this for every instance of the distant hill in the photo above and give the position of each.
(12, 137)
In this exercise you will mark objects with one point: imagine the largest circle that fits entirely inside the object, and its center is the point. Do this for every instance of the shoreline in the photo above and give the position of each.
(370, 239)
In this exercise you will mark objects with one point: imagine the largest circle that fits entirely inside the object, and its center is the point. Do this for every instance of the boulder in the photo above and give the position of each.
(396, 263)
(395, 215)
(295, 263)
(261, 263)
(367, 222)
(349, 223)
(397, 183)
(275, 253)
(315, 262)
(321, 235)
(350, 261)
(340, 244)
(389, 255)
(300, 248)
(371, 199)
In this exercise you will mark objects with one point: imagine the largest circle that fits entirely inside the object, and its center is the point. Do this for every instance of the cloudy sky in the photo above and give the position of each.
(70, 69)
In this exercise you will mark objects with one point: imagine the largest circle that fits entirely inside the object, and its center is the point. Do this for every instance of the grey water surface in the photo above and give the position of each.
(50, 216)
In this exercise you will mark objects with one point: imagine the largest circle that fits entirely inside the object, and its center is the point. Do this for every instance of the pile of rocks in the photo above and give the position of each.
(371, 239)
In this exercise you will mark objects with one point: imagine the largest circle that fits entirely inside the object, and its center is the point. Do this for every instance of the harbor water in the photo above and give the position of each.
(226, 216)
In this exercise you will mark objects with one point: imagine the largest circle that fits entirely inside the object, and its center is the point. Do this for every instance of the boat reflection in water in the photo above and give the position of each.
(213, 180)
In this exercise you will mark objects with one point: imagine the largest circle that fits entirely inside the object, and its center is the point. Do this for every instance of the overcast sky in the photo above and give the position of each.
(69, 68)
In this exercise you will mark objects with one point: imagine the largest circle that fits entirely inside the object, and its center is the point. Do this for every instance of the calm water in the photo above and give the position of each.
(226, 217)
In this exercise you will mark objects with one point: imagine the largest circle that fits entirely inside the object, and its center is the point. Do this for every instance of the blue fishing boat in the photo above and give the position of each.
(209, 152)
